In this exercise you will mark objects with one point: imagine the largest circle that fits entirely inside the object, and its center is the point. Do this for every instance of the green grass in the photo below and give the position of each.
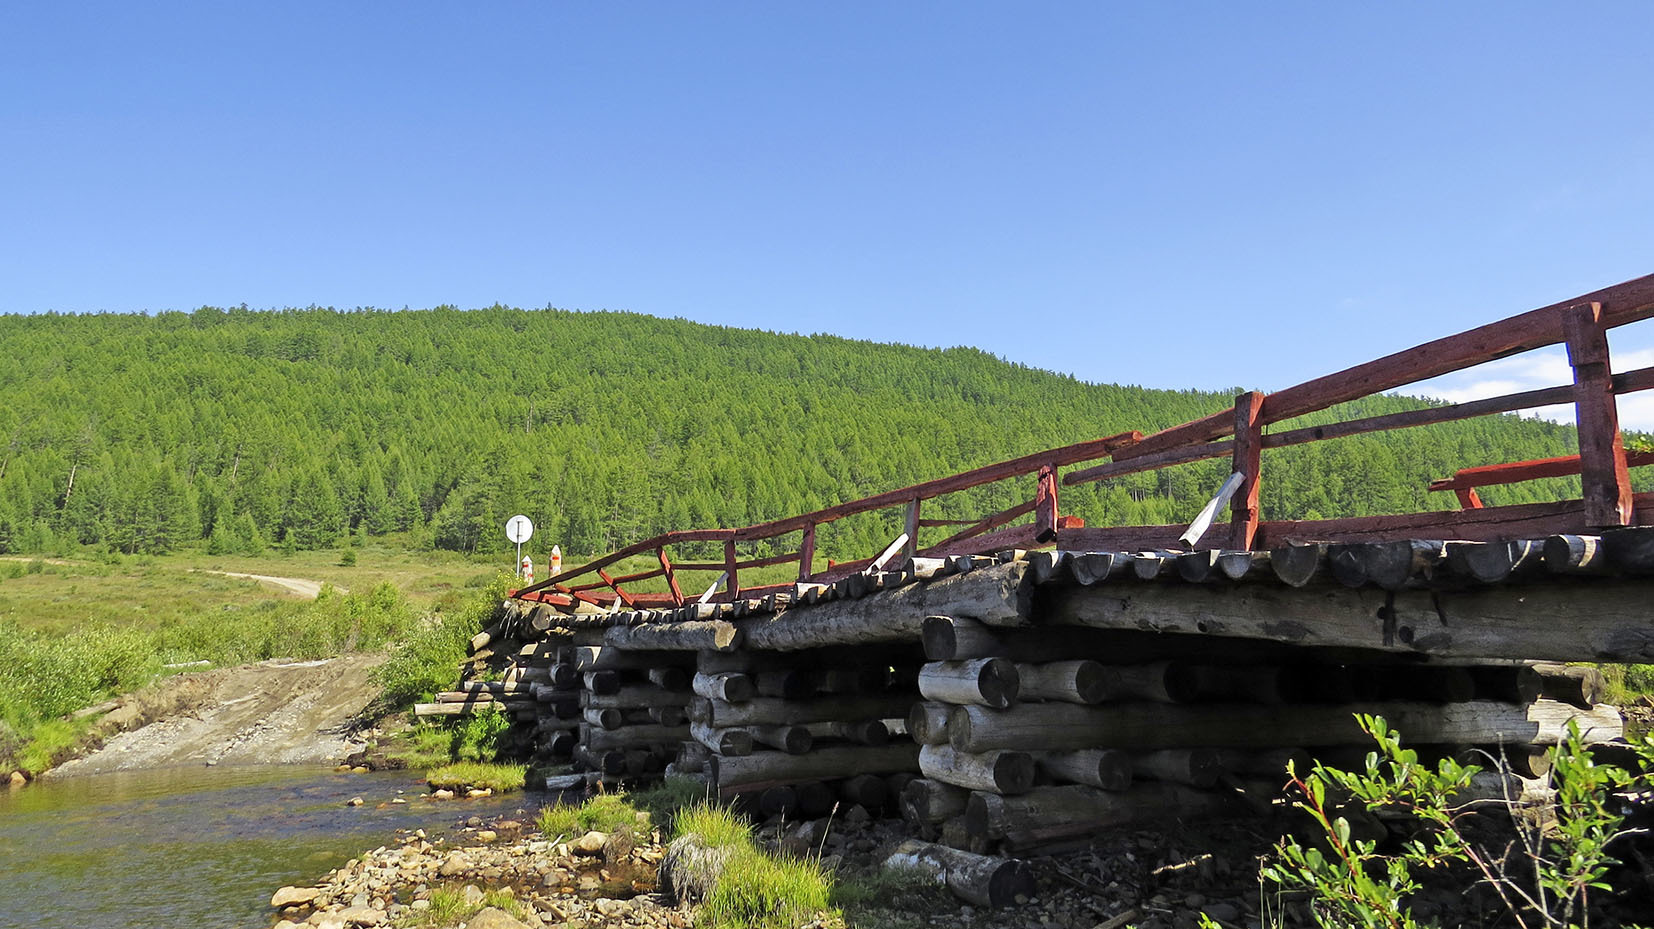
(58, 653)
(755, 889)
(420, 747)
(465, 775)
(760, 891)
(602, 813)
(1627, 683)
(717, 825)
(448, 908)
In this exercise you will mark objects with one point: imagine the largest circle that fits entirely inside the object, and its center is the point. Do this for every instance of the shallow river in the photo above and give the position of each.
(197, 847)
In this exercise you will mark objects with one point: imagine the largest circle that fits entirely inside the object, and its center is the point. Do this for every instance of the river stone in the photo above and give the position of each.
(591, 843)
(294, 896)
(487, 836)
(362, 916)
(492, 918)
(16, 780)
(454, 864)
(472, 893)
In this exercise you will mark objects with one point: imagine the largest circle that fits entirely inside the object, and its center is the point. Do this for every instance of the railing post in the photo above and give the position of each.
(1248, 461)
(1602, 470)
(912, 528)
(671, 578)
(807, 553)
(732, 583)
(1045, 504)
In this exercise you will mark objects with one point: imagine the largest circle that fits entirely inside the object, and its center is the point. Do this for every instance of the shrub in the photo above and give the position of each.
(1543, 877)
(430, 654)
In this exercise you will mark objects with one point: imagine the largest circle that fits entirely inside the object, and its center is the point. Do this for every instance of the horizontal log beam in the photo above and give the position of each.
(1067, 727)
(1564, 619)
(996, 595)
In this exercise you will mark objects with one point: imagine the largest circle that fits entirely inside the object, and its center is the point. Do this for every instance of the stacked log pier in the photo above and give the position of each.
(794, 733)
(521, 664)
(1020, 702)
(632, 708)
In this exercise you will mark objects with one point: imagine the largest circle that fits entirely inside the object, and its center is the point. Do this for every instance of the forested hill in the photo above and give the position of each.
(238, 429)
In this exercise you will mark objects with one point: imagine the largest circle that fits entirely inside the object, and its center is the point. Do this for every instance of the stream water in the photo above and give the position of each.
(198, 847)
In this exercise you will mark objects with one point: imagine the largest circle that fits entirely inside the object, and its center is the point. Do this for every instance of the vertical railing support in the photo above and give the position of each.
(911, 527)
(671, 578)
(1045, 505)
(1602, 470)
(1248, 461)
(732, 583)
(807, 553)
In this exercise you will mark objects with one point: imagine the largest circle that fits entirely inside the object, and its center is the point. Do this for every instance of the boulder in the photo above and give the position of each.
(294, 896)
(690, 869)
(363, 916)
(591, 843)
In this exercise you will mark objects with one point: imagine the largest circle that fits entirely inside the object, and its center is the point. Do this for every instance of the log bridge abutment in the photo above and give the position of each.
(1013, 683)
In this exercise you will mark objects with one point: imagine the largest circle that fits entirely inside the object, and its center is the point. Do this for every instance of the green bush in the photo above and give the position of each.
(1543, 876)
(428, 658)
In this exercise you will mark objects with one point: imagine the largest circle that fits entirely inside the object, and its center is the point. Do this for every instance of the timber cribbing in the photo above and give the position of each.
(1020, 681)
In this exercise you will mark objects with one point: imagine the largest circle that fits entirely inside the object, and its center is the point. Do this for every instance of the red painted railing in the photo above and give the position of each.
(1236, 433)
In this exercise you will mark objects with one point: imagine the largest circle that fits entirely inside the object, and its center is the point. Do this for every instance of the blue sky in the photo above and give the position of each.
(1199, 195)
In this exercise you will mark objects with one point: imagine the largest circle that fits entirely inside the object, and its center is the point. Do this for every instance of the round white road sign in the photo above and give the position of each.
(518, 528)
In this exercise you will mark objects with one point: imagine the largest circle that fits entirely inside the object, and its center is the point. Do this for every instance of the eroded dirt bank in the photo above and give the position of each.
(274, 712)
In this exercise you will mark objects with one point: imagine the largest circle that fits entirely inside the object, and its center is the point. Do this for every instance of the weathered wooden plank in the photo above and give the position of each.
(1243, 524)
(1063, 726)
(767, 768)
(1603, 476)
(996, 595)
(1564, 619)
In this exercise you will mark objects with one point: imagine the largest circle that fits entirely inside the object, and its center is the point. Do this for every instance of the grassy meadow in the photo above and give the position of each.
(79, 627)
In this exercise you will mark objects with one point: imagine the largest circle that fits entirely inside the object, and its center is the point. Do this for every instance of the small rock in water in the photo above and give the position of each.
(16, 780)
(354, 801)
(480, 792)
(442, 795)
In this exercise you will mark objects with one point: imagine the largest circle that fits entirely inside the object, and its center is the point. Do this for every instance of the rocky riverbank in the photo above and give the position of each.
(502, 874)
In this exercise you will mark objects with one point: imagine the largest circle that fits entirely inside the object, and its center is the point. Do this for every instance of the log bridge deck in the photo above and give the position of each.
(1021, 680)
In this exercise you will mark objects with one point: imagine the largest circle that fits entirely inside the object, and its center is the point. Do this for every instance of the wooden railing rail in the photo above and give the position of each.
(1238, 433)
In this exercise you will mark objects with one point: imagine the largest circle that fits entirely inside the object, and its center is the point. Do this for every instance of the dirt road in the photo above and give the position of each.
(297, 585)
(276, 712)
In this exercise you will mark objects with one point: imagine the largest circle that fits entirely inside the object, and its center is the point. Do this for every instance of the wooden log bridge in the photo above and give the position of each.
(1020, 680)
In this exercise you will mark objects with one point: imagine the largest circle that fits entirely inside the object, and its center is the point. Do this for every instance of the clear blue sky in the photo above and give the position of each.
(1178, 195)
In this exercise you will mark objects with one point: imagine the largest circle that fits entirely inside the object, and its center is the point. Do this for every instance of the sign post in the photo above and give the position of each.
(519, 529)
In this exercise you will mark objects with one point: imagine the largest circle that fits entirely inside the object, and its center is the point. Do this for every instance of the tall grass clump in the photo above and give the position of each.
(759, 891)
(602, 813)
(429, 654)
